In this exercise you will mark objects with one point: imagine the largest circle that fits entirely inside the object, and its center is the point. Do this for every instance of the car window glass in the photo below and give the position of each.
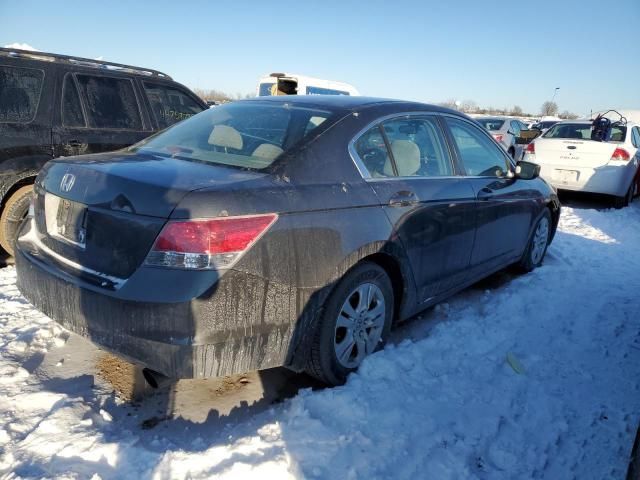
(515, 128)
(20, 90)
(480, 156)
(72, 115)
(636, 132)
(373, 153)
(247, 135)
(110, 102)
(418, 147)
(493, 124)
(169, 104)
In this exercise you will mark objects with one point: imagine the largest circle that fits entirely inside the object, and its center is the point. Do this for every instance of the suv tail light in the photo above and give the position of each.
(498, 138)
(620, 155)
(207, 244)
(531, 148)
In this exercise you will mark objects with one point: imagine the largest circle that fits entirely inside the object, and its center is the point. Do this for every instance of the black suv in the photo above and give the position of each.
(56, 105)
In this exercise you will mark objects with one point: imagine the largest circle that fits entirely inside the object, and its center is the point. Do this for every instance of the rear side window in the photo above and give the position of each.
(72, 115)
(373, 153)
(169, 104)
(636, 137)
(110, 102)
(417, 149)
(20, 90)
(479, 155)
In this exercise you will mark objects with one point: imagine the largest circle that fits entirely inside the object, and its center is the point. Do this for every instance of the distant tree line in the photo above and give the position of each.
(547, 109)
(212, 95)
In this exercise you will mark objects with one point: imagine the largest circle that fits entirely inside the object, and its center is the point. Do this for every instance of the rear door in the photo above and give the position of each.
(505, 206)
(430, 207)
(97, 113)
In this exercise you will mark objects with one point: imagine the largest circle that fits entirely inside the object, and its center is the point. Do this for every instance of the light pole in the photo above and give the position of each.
(554, 94)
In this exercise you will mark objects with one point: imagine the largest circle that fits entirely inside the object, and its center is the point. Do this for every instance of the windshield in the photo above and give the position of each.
(543, 125)
(241, 134)
(490, 123)
(582, 131)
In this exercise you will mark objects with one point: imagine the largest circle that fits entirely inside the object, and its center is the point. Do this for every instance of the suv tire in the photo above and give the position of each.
(14, 211)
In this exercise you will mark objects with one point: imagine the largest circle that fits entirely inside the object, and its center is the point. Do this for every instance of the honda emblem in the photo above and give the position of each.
(67, 182)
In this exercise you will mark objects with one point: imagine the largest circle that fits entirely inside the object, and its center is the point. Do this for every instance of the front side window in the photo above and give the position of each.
(247, 134)
(324, 91)
(72, 115)
(479, 155)
(20, 90)
(169, 104)
(266, 89)
(110, 102)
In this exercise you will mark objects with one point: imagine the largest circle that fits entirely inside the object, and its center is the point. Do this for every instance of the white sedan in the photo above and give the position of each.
(571, 160)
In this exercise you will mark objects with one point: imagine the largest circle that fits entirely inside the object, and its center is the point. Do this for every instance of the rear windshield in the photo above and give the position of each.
(582, 131)
(490, 123)
(242, 134)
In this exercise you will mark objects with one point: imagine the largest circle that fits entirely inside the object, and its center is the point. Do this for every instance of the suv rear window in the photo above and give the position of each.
(20, 90)
(582, 131)
(241, 134)
(169, 104)
(110, 102)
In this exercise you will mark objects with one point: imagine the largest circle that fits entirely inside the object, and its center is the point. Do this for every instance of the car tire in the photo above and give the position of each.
(538, 243)
(355, 322)
(14, 211)
(621, 202)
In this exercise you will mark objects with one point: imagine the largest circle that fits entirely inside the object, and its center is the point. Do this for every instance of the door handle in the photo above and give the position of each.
(404, 198)
(485, 193)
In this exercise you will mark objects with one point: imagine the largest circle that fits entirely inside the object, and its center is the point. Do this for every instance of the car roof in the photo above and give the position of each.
(348, 102)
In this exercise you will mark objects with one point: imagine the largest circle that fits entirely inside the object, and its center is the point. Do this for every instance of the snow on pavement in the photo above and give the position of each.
(537, 376)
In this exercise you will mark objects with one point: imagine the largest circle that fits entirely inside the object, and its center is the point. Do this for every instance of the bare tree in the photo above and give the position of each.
(449, 103)
(516, 110)
(549, 108)
(568, 115)
(469, 106)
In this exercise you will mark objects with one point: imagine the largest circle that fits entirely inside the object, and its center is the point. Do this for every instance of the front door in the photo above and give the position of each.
(505, 208)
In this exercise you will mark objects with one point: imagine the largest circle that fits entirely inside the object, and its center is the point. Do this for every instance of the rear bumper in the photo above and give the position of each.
(220, 332)
(608, 179)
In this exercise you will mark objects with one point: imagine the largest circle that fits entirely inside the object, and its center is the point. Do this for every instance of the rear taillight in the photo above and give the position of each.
(620, 155)
(498, 138)
(531, 148)
(207, 244)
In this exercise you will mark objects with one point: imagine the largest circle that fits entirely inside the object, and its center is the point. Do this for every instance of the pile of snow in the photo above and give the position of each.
(533, 376)
(21, 46)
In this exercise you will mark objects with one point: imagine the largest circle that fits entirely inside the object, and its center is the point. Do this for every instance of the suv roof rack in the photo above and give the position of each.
(85, 62)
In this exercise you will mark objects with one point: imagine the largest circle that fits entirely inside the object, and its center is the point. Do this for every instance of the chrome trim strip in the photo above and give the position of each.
(32, 238)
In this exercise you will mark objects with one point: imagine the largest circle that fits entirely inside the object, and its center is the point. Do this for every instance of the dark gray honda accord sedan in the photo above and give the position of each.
(278, 231)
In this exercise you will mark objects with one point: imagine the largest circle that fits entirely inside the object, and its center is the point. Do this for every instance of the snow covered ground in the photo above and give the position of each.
(533, 376)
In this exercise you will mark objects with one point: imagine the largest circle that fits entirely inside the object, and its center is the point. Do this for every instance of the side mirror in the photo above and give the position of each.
(510, 132)
(527, 170)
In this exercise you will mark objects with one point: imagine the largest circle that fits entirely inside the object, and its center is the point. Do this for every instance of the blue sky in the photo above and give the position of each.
(494, 54)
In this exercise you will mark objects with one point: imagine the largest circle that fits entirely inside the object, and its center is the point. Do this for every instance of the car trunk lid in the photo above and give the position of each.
(103, 212)
(572, 153)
